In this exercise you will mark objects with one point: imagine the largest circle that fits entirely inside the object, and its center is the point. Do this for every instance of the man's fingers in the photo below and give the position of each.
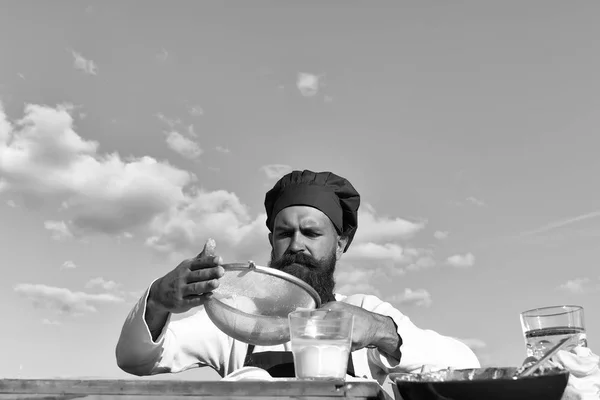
(194, 301)
(205, 274)
(198, 288)
(209, 249)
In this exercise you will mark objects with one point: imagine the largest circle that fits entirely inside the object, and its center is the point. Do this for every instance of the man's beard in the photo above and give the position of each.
(317, 273)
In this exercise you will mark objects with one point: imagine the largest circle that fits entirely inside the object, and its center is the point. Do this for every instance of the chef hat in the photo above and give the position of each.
(325, 191)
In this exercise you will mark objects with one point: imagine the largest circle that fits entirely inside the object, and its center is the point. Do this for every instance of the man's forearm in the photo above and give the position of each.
(155, 316)
(388, 341)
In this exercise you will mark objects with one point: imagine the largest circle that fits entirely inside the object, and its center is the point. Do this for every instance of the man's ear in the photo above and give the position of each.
(271, 238)
(341, 245)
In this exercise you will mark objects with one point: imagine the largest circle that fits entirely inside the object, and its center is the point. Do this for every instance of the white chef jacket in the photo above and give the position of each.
(194, 341)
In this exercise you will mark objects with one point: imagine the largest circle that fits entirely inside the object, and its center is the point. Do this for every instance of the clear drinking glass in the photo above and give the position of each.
(321, 342)
(545, 327)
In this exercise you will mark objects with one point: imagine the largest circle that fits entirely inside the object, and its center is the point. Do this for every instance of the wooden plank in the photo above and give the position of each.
(160, 397)
(68, 388)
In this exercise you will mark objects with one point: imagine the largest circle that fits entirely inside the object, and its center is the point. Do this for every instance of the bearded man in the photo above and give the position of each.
(312, 218)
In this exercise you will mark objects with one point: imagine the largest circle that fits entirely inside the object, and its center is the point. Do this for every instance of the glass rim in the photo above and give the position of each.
(309, 313)
(566, 309)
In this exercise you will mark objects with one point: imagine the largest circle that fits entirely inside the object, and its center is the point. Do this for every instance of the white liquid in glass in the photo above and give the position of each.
(318, 358)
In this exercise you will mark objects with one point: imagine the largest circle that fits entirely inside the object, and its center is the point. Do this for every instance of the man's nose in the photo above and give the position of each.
(297, 244)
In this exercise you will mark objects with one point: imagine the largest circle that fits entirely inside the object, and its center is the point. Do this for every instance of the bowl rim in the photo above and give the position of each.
(251, 266)
(394, 376)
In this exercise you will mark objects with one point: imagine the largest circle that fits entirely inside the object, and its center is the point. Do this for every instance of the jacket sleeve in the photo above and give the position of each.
(420, 347)
(189, 342)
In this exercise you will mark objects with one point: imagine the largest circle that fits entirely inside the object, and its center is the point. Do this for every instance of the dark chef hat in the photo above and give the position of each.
(325, 191)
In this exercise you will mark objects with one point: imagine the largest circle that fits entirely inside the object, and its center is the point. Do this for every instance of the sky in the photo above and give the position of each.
(132, 132)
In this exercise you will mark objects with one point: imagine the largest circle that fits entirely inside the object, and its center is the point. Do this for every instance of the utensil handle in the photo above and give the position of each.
(554, 350)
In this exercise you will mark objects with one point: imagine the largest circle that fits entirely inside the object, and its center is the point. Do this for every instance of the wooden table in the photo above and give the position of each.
(21, 389)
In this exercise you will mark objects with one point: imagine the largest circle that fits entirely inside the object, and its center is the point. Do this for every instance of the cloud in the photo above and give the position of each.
(101, 283)
(424, 261)
(308, 84)
(68, 265)
(183, 146)
(275, 171)
(382, 229)
(373, 251)
(220, 215)
(418, 297)
(441, 235)
(64, 301)
(191, 131)
(223, 150)
(42, 156)
(162, 55)
(195, 111)
(47, 321)
(84, 65)
(578, 285)
(327, 99)
(475, 201)
(170, 122)
(59, 230)
(351, 280)
(461, 261)
(11, 204)
(561, 223)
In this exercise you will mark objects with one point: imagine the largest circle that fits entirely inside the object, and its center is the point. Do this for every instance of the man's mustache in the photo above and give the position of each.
(295, 258)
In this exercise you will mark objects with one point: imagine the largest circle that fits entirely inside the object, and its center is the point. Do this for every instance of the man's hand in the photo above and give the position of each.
(183, 288)
(584, 379)
(370, 329)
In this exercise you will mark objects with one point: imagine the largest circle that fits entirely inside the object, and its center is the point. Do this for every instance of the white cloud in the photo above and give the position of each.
(422, 262)
(475, 201)
(192, 132)
(11, 204)
(196, 111)
(47, 321)
(59, 230)
(382, 252)
(351, 280)
(44, 157)
(82, 64)
(220, 215)
(183, 146)
(101, 283)
(461, 261)
(308, 84)
(327, 99)
(223, 150)
(562, 223)
(275, 171)
(383, 229)
(418, 297)
(163, 55)
(170, 122)
(63, 300)
(441, 235)
(577, 285)
(68, 265)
